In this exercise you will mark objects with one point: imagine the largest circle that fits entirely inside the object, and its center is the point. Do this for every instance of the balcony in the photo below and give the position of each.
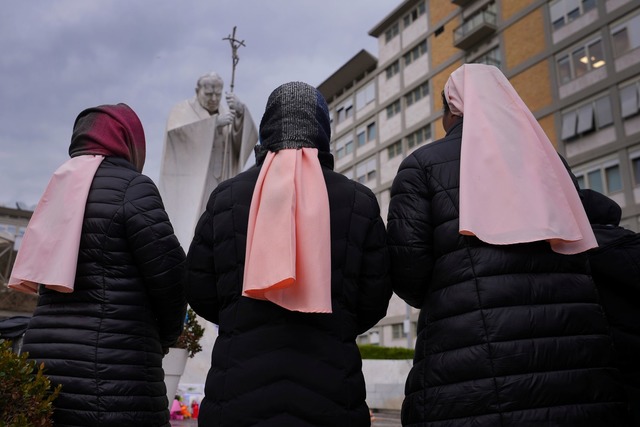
(474, 30)
(462, 3)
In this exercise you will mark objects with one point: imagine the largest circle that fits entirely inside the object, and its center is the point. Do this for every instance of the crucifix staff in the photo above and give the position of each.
(235, 44)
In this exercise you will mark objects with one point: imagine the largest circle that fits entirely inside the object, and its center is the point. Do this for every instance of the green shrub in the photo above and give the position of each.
(191, 334)
(25, 392)
(368, 351)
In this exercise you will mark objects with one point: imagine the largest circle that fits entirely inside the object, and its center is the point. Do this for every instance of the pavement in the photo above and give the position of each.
(382, 418)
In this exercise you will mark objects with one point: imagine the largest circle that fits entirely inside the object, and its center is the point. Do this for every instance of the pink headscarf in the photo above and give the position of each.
(513, 186)
(48, 254)
(288, 254)
(288, 258)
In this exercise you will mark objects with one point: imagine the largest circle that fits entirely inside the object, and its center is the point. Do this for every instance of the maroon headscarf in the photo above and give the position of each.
(109, 130)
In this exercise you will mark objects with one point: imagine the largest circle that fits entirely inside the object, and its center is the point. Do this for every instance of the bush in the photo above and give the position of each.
(368, 351)
(191, 334)
(25, 393)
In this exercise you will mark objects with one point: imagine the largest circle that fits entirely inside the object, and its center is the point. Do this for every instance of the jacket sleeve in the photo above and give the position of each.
(201, 288)
(410, 233)
(374, 285)
(158, 255)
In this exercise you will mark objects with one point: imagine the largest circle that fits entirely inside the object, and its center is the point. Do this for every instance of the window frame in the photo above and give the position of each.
(414, 14)
(392, 69)
(419, 136)
(586, 118)
(573, 55)
(416, 94)
(369, 167)
(568, 16)
(584, 177)
(625, 25)
(392, 32)
(415, 53)
(395, 149)
(394, 109)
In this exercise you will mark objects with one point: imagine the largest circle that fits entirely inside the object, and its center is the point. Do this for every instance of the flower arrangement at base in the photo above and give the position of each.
(191, 334)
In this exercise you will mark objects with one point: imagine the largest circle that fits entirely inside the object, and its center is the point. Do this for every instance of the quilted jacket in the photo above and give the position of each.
(271, 366)
(615, 266)
(509, 335)
(104, 342)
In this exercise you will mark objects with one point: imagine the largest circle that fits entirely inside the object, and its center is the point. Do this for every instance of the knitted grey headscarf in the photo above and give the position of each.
(296, 116)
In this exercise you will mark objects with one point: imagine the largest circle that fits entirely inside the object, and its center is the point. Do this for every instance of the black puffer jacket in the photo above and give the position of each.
(103, 342)
(271, 366)
(507, 335)
(615, 266)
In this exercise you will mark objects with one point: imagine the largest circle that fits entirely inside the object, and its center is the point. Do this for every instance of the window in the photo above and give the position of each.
(596, 54)
(365, 95)
(614, 181)
(339, 151)
(366, 134)
(417, 94)
(366, 171)
(492, 57)
(394, 149)
(371, 131)
(629, 100)
(564, 70)
(569, 121)
(635, 166)
(393, 109)
(362, 139)
(413, 16)
(579, 61)
(348, 112)
(418, 137)
(397, 331)
(605, 179)
(344, 111)
(625, 36)
(415, 53)
(594, 181)
(587, 118)
(348, 147)
(343, 147)
(604, 116)
(564, 11)
(393, 31)
(392, 69)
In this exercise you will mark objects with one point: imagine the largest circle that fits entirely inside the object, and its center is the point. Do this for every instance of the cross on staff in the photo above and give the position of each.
(235, 44)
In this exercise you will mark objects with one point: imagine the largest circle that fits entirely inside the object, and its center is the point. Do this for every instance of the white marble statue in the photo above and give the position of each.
(205, 143)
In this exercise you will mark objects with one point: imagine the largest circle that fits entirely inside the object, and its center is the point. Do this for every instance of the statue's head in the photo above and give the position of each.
(209, 92)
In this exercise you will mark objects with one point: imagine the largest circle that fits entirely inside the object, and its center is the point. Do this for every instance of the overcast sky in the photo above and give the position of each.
(59, 57)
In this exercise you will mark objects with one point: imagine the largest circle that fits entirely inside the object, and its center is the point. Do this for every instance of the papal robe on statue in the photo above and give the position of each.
(197, 157)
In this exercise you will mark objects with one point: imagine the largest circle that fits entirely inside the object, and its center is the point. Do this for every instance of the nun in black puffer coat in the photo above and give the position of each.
(103, 342)
(509, 334)
(272, 366)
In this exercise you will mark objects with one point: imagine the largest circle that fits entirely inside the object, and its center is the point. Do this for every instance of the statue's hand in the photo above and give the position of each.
(225, 119)
(234, 103)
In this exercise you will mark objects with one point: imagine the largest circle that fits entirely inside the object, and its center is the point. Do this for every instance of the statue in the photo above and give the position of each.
(205, 143)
